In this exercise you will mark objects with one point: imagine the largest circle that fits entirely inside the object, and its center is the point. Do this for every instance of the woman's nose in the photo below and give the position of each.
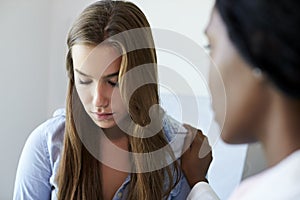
(100, 96)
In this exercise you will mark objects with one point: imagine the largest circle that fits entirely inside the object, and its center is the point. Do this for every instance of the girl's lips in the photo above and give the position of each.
(103, 116)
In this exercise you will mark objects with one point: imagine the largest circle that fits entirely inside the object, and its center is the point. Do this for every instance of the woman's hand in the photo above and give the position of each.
(197, 156)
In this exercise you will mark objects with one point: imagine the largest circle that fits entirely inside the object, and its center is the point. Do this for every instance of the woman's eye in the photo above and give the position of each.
(84, 82)
(207, 47)
(113, 84)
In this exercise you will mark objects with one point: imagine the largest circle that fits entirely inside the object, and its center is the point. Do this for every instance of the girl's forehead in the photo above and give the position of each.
(96, 61)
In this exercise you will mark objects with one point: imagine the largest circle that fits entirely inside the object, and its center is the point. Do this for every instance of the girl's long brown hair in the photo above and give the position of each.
(79, 175)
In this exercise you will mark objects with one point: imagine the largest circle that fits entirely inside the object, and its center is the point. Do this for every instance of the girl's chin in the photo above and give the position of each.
(104, 124)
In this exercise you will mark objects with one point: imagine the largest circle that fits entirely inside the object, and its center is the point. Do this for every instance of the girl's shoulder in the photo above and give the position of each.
(172, 128)
(40, 158)
(48, 137)
(51, 130)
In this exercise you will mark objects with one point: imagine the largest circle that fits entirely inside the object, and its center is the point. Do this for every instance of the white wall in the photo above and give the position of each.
(24, 49)
(32, 51)
(189, 19)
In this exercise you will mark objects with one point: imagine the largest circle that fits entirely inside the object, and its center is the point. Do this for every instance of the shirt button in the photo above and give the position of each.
(120, 194)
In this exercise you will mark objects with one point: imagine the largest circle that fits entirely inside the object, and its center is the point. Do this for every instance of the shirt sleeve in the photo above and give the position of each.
(202, 190)
(181, 191)
(34, 169)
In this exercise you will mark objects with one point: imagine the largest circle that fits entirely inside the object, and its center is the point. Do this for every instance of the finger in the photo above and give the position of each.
(187, 142)
(205, 149)
(188, 139)
(191, 129)
(197, 143)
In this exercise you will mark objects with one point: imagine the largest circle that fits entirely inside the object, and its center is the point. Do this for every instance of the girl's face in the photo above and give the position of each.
(96, 71)
(244, 101)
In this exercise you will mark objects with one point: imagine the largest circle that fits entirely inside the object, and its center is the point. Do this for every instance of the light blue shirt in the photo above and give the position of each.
(38, 164)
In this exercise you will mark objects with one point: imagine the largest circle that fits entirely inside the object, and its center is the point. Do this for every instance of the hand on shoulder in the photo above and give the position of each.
(197, 156)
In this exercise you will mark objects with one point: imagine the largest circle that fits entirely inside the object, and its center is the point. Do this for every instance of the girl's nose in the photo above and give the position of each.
(100, 98)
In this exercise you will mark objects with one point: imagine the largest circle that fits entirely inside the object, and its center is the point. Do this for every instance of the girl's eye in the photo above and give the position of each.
(84, 82)
(113, 84)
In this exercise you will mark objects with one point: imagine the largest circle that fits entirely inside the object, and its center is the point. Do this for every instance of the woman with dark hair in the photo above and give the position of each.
(113, 140)
(255, 46)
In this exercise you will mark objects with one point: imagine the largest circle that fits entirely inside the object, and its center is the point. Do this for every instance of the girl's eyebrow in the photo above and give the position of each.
(111, 75)
(83, 74)
(105, 77)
